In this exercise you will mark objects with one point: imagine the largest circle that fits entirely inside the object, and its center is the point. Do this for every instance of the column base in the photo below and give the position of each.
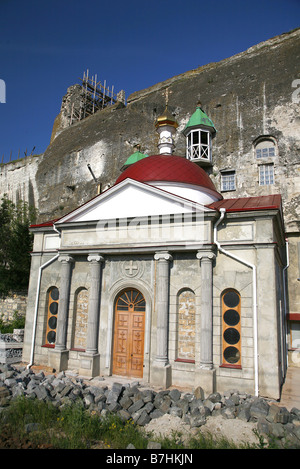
(58, 359)
(206, 379)
(161, 375)
(89, 364)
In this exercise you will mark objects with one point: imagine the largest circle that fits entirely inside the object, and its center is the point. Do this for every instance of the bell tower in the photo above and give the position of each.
(166, 126)
(199, 133)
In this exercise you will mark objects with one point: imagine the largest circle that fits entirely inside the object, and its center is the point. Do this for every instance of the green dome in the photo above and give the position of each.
(198, 119)
(136, 156)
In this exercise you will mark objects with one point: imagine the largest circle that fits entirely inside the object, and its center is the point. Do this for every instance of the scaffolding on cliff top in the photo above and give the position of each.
(95, 96)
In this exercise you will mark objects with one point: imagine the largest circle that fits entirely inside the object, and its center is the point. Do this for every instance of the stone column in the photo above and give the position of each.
(207, 374)
(90, 359)
(59, 356)
(94, 303)
(63, 305)
(161, 373)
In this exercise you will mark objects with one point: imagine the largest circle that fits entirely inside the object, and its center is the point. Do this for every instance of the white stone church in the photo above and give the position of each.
(162, 279)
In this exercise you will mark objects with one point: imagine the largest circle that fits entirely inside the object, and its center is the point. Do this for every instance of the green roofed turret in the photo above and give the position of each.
(136, 156)
(199, 132)
(199, 119)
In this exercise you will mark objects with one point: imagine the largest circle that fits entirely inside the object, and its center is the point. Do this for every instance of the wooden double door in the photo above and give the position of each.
(129, 331)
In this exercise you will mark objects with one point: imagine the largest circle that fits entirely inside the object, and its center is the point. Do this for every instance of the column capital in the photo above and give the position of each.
(95, 258)
(164, 256)
(66, 259)
(205, 256)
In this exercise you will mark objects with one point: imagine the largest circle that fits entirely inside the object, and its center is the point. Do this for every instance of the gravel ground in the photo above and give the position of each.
(233, 429)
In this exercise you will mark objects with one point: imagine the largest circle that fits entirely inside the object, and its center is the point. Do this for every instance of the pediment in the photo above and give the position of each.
(131, 199)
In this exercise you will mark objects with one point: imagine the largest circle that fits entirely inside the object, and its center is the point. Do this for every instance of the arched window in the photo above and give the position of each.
(186, 326)
(231, 328)
(265, 147)
(53, 299)
(265, 150)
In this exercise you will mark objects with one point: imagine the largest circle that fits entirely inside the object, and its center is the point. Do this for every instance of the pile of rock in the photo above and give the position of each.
(11, 346)
(141, 404)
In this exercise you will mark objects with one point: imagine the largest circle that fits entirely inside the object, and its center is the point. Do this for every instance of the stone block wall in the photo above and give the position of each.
(81, 319)
(186, 325)
(10, 304)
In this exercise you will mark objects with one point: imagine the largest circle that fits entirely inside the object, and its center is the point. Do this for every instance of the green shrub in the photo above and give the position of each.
(18, 322)
(16, 244)
(70, 426)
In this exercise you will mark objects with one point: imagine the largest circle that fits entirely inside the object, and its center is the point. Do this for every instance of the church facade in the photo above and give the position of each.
(160, 278)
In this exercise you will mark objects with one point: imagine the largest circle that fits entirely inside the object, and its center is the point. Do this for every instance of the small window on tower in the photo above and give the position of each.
(204, 138)
(195, 138)
(205, 145)
(199, 145)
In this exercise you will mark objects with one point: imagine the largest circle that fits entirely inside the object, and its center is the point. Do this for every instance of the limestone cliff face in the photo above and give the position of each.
(247, 96)
(18, 180)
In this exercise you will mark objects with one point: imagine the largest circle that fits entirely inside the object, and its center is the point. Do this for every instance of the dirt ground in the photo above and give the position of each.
(233, 429)
(9, 441)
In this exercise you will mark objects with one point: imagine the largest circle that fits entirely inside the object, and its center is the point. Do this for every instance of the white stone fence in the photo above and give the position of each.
(11, 346)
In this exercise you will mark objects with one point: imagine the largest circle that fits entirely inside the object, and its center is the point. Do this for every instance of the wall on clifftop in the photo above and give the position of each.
(18, 180)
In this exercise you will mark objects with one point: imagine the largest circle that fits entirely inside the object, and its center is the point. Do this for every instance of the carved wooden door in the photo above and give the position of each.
(128, 351)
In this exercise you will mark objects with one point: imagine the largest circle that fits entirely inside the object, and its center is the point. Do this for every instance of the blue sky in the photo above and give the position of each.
(46, 45)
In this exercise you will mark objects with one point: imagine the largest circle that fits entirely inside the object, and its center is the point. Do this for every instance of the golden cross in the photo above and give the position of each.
(166, 94)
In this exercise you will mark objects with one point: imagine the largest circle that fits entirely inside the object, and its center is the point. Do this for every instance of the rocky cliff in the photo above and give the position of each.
(249, 95)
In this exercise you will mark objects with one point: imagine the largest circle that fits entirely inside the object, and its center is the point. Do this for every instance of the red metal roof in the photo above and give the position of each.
(169, 168)
(243, 204)
(46, 223)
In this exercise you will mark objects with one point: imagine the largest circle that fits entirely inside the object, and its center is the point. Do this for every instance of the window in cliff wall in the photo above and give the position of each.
(265, 147)
(228, 181)
(266, 174)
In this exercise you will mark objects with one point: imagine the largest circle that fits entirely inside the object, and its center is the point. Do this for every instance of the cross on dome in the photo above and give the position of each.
(166, 94)
(166, 126)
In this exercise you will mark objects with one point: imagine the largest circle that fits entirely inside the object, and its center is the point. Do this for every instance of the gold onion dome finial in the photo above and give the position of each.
(166, 118)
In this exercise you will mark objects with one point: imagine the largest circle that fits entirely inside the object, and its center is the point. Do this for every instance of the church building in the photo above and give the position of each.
(161, 279)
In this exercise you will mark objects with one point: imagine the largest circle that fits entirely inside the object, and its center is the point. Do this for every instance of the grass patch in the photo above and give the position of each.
(67, 427)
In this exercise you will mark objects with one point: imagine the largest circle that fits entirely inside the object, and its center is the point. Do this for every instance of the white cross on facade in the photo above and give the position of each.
(130, 267)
